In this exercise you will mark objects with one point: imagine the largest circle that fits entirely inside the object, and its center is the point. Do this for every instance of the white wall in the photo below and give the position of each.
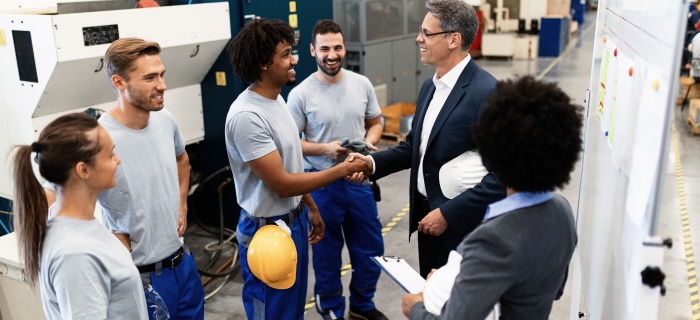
(5, 186)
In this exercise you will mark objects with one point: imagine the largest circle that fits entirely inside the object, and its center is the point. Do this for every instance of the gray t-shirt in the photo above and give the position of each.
(256, 126)
(329, 112)
(86, 273)
(146, 201)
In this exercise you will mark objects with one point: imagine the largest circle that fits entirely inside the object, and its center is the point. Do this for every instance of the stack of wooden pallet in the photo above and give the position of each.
(397, 120)
(694, 116)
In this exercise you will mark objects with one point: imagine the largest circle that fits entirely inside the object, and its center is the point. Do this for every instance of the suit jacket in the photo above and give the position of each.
(451, 136)
(519, 259)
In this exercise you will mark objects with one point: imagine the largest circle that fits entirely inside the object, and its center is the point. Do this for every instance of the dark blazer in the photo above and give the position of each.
(519, 259)
(451, 136)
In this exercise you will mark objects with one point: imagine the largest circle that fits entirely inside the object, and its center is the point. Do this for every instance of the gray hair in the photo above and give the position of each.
(455, 15)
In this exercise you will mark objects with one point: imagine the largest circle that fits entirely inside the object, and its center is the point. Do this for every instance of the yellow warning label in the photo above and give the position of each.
(293, 21)
(221, 78)
(292, 6)
(3, 42)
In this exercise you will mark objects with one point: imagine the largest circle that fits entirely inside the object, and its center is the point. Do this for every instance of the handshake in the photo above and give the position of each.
(357, 167)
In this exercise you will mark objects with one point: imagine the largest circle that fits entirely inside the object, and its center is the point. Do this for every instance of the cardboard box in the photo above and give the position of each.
(694, 117)
(396, 117)
(683, 84)
(694, 112)
(559, 7)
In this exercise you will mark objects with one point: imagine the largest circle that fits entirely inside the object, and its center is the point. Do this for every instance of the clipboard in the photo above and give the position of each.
(401, 272)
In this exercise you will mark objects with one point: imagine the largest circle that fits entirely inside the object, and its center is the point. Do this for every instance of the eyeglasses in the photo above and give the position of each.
(426, 34)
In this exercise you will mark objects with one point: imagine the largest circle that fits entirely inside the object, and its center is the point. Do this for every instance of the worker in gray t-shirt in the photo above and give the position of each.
(330, 105)
(265, 156)
(148, 207)
(82, 270)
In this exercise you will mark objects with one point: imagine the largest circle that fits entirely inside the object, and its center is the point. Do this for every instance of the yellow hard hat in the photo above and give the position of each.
(272, 257)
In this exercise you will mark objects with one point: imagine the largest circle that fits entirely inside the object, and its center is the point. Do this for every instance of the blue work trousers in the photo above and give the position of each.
(261, 301)
(350, 215)
(181, 289)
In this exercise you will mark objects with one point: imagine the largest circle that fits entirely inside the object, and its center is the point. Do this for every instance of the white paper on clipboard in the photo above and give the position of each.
(399, 270)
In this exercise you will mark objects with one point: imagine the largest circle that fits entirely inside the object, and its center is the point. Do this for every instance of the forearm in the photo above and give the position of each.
(374, 133)
(183, 177)
(312, 148)
(392, 160)
(309, 202)
(374, 130)
(294, 184)
(270, 170)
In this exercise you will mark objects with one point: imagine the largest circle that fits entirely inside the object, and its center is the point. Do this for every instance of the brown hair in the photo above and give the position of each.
(121, 54)
(61, 145)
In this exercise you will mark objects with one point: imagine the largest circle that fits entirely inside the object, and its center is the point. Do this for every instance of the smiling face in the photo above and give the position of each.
(145, 86)
(329, 51)
(281, 70)
(434, 48)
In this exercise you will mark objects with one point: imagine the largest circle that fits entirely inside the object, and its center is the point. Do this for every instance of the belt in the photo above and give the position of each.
(287, 218)
(424, 201)
(169, 262)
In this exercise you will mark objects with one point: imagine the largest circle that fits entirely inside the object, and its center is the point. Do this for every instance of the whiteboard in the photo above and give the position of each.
(636, 63)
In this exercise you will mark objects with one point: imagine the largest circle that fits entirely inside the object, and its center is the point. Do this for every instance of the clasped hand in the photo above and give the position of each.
(362, 166)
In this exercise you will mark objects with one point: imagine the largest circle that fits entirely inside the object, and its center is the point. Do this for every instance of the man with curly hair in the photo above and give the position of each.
(530, 138)
(264, 151)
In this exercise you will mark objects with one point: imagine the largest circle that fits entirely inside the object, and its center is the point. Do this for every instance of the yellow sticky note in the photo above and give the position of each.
(292, 6)
(221, 78)
(3, 42)
(293, 21)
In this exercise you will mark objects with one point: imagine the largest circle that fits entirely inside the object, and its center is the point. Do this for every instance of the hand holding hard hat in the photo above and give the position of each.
(461, 173)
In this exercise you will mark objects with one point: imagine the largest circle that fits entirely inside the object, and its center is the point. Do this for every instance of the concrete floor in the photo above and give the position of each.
(572, 73)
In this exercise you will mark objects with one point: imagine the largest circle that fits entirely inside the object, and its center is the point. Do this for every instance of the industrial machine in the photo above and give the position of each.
(52, 65)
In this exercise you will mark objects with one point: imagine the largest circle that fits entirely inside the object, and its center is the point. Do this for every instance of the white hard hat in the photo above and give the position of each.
(461, 173)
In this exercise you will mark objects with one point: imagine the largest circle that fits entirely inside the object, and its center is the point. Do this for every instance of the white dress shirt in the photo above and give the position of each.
(443, 87)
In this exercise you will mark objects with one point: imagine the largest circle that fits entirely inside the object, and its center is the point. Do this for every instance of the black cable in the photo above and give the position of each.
(200, 189)
(221, 232)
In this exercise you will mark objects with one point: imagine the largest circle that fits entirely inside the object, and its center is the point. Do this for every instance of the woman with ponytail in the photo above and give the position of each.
(83, 271)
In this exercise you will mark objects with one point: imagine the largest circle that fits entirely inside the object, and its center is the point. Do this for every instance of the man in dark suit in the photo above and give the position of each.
(519, 255)
(448, 104)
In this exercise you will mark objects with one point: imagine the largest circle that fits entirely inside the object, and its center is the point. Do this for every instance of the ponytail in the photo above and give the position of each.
(31, 210)
(61, 145)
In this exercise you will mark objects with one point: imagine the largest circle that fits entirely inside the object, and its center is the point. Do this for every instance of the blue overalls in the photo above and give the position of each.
(259, 300)
(350, 215)
(179, 287)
